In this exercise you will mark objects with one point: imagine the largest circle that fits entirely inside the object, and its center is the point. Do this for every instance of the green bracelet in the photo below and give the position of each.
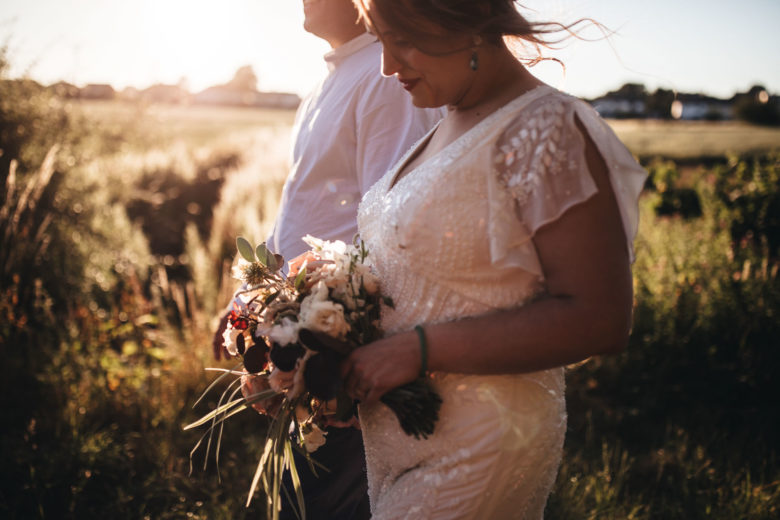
(423, 350)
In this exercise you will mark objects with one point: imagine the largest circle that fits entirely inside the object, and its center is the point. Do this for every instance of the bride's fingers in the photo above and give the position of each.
(354, 384)
(358, 389)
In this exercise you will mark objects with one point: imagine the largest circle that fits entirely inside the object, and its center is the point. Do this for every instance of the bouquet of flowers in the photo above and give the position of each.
(292, 332)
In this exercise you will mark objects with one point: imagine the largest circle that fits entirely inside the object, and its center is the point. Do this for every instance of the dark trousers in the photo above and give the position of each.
(341, 493)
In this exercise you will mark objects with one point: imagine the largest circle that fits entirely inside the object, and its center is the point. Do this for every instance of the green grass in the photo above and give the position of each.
(120, 264)
(197, 125)
(693, 140)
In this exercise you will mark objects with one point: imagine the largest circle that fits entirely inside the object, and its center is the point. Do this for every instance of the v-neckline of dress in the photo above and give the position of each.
(395, 180)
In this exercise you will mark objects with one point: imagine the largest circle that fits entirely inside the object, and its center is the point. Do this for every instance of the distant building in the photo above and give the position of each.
(98, 91)
(130, 94)
(619, 108)
(629, 101)
(278, 100)
(632, 101)
(697, 106)
(231, 96)
(224, 95)
(64, 90)
(170, 94)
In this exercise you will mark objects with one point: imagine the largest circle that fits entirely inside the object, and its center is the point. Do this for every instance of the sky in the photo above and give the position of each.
(714, 47)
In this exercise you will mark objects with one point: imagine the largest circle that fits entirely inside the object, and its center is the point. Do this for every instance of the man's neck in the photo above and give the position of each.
(349, 33)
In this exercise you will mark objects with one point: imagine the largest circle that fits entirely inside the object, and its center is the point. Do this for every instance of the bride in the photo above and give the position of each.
(504, 238)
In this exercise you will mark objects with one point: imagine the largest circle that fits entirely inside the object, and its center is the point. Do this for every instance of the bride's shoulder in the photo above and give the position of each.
(542, 113)
(540, 106)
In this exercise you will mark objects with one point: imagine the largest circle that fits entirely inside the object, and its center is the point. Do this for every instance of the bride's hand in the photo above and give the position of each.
(372, 370)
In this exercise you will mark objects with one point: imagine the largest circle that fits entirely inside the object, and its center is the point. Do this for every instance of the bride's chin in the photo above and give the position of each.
(425, 101)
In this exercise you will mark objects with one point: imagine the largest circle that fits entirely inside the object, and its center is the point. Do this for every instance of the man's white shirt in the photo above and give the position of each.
(348, 132)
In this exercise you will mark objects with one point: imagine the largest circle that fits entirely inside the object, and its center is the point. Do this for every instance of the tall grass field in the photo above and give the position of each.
(117, 228)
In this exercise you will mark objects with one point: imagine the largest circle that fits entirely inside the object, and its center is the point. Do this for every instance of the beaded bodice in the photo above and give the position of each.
(453, 239)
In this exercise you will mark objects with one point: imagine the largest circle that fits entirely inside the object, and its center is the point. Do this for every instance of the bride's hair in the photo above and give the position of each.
(492, 20)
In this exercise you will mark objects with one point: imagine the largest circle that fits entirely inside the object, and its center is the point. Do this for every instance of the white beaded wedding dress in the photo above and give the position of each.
(452, 239)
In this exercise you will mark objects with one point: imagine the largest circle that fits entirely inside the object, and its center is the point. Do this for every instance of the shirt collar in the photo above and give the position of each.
(334, 57)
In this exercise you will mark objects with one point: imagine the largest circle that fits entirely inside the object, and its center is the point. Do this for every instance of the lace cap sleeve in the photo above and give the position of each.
(540, 171)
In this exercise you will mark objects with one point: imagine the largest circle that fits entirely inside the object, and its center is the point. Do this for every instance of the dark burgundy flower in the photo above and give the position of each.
(285, 357)
(321, 375)
(255, 359)
(319, 342)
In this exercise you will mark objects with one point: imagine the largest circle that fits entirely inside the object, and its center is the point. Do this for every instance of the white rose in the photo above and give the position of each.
(320, 314)
(313, 437)
(370, 281)
(229, 339)
(335, 275)
(344, 294)
(280, 381)
(313, 242)
(284, 333)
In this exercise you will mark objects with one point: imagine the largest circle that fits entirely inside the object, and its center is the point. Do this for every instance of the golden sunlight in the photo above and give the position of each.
(196, 38)
(201, 43)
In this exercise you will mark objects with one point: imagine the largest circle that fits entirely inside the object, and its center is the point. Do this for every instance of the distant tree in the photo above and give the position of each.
(29, 125)
(245, 79)
(758, 113)
(632, 91)
(659, 103)
(757, 107)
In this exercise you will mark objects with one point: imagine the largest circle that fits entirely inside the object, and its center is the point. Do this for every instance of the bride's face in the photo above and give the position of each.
(435, 77)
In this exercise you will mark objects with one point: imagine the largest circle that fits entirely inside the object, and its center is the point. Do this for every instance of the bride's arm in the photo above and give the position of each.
(586, 309)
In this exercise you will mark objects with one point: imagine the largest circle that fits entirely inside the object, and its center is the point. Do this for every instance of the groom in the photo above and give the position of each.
(353, 127)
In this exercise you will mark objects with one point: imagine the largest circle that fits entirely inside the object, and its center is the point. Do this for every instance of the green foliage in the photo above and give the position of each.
(659, 103)
(682, 424)
(669, 198)
(95, 382)
(749, 195)
(759, 113)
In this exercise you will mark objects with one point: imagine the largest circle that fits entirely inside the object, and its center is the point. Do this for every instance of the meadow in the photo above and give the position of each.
(118, 224)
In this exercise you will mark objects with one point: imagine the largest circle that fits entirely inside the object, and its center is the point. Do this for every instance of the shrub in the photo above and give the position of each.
(653, 432)
(754, 111)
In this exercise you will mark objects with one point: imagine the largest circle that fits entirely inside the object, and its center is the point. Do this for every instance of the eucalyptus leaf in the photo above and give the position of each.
(264, 256)
(271, 297)
(245, 249)
(279, 262)
(300, 278)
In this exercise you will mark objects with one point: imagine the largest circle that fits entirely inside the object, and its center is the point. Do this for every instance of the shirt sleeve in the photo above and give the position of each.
(388, 124)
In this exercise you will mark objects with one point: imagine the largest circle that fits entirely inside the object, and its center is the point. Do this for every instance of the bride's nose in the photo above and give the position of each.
(390, 65)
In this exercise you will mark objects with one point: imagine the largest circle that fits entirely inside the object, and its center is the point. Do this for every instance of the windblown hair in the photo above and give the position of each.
(493, 20)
